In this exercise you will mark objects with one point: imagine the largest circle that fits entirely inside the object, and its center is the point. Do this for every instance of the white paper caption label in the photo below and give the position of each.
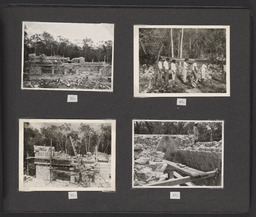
(175, 195)
(72, 195)
(72, 98)
(181, 101)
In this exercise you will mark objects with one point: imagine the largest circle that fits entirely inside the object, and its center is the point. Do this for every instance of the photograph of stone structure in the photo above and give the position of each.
(66, 155)
(67, 56)
(178, 154)
(171, 60)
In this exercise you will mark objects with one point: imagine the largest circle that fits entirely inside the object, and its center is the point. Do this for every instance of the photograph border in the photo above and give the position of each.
(21, 188)
(136, 84)
(68, 89)
(183, 187)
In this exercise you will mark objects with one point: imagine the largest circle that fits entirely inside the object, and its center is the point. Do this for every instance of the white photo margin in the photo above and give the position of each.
(222, 164)
(136, 84)
(109, 25)
(88, 121)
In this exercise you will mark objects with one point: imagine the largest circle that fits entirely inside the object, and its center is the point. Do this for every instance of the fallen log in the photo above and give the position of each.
(184, 169)
(183, 180)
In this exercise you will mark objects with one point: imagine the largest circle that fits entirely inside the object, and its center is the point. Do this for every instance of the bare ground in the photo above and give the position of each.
(212, 85)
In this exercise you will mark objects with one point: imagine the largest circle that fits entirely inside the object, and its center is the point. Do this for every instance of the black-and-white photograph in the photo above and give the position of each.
(66, 155)
(171, 61)
(67, 56)
(178, 154)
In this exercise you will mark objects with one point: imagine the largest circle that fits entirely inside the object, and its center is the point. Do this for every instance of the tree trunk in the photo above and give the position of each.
(137, 126)
(66, 145)
(89, 145)
(143, 47)
(159, 52)
(172, 43)
(149, 128)
(189, 45)
(181, 44)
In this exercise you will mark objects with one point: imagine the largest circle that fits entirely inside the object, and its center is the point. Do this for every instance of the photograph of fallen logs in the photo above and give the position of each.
(67, 56)
(181, 60)
(64, 155)
(178, 154)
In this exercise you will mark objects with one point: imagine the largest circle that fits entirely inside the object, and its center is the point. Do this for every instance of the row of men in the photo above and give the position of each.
(169, 70)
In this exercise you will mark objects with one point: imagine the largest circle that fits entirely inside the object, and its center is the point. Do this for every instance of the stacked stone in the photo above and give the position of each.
(148, 165)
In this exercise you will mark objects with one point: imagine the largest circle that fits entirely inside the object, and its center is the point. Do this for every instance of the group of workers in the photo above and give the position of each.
(168, 70)
(188, 70)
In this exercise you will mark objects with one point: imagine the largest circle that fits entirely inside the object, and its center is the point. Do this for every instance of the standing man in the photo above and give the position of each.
(203, 71)
(195, 71)
(196, 133)
(224, 72)
(160, 68)
(166, 70)
(209, 131)
(185, 71)
(173, 70)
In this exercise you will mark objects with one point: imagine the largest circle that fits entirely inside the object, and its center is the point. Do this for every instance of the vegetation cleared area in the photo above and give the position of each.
(182, 60)
(67, 155)
(177, 154)
(56, 58)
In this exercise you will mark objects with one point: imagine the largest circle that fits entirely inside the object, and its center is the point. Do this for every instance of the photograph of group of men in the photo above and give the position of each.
(181, 60)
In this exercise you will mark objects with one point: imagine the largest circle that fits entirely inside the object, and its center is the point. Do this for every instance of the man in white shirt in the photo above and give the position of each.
(160, 64)
(166, 69)
(173, 70)
(203, 71)
(160, 68)
(185, 71)
(166, 64)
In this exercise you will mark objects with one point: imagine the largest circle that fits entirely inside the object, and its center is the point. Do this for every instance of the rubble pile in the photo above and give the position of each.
(74, 82)
(148, 165)
(148, 156)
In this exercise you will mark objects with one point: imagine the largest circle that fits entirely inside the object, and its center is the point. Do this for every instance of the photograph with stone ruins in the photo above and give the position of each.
(66, 155)
(178, 154)
(67, 56)
(181, 61)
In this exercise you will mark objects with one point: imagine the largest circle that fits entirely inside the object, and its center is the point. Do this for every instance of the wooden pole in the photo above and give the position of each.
(27, 164)
(96, 150)
(172, 43)
(51, 178)
(89, 144)
(181, 44)
(74, 148)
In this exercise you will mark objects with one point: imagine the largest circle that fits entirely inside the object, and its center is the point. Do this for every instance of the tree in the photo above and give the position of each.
(66, 129)
(181, 42)
(37, 43)
(172, 43)
(87, 46)
(49, 43)
(105, 139)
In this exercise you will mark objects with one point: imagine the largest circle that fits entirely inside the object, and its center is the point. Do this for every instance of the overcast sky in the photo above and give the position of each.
(75, 32)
